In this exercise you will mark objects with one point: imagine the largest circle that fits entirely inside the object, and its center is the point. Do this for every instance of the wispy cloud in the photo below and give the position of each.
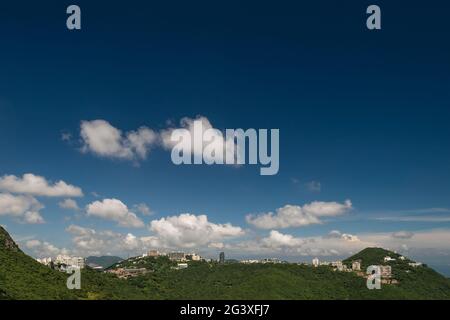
(415, 215)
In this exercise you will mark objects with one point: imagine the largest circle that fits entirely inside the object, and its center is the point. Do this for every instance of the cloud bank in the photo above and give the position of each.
(298, 216)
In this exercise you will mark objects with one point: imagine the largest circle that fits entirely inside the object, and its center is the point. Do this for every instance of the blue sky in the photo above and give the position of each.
(364, 115)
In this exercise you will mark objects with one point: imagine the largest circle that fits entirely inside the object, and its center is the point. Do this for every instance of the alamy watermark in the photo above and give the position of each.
(373, 21)
(373, 278)
(237, 147)
(74, 280)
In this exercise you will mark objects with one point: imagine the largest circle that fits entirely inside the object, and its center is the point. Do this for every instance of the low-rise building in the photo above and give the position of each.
(386, 271)
(193, 257)
(415, 264)
(45, 261)
(271, 260)
(250, 261)
(177, 256)
(387, 259)
(69, 261)
(356, 265)
(337, 265)
(153, 253)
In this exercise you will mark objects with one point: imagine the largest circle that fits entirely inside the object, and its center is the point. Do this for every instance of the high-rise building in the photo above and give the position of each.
(222, 257)
(315, 262)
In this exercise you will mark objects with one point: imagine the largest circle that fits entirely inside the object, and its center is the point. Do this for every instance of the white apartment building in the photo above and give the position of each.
(338, 265)
(70, 261)
(387, 259)
(315, 262)
(356, 265)
(45, 261)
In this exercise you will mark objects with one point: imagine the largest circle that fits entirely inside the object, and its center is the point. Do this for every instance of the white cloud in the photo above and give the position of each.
(44, 249)
(102, 139)
(185, 231)
(69, 204)
(115, 210)
(38, 186)
(216, 141)
(281, 244)
(343, 244)
(279, 240)
(30, 244)
(297, 216)
(335, 234)
(190, 231)
(33, 217)
(216, 245)
(88, 242)
(143, 209)
(24, 208)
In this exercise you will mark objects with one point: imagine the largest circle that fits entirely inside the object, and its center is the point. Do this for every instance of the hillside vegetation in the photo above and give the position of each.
(21, 277)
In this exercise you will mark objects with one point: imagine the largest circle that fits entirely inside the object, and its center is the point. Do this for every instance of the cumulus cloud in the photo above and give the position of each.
(297, 216)
(334, 244)
(87, 241)
(188, 137)
(43, 249)
(190, 231)
(278, 240)
(339, 244)
(336, 234)
(185, 231)
(69, 204)
(115, 210)
(33, 217)
(102, 139)
(24, 208)
(38, 186)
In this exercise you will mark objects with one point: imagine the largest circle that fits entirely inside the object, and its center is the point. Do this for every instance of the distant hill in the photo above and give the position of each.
(373, 256)
(21, 277)
(414, 282)
(103, 261)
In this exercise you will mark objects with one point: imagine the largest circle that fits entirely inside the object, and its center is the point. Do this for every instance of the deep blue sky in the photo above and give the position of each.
(364, 113)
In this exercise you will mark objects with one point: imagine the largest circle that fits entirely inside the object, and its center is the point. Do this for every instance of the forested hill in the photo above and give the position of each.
(21, 277)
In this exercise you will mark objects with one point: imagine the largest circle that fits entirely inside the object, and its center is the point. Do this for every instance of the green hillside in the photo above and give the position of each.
(414, 282)
(21, 277)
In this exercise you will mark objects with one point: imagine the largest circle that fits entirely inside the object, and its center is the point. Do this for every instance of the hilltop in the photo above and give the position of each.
(21, 277)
